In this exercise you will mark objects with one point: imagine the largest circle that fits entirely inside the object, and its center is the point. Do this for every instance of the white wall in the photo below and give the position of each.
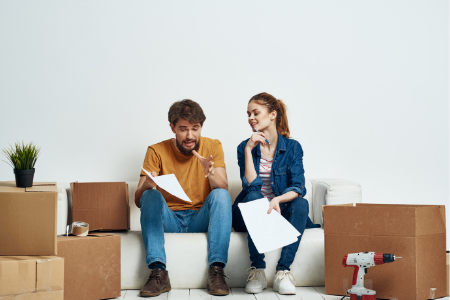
(366, 84)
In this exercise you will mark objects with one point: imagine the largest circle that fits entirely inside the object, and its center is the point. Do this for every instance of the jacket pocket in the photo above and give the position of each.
(281, 179)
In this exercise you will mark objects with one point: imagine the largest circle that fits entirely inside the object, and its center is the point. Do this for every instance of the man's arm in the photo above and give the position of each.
(218, 179)
(145, 183)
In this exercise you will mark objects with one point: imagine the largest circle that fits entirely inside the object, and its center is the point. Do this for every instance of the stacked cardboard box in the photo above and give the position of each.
(31, 277)
(85, 268)
(92, 263)
(28, 217)
(414, 232)
(448, 274)
(92, 266)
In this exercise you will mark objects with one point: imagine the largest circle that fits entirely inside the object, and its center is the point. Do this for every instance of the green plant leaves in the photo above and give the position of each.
(22, 156)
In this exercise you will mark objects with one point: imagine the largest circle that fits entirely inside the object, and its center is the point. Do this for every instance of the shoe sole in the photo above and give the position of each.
(155, 294)
(219, 293)
(254, 291)
(285, 293)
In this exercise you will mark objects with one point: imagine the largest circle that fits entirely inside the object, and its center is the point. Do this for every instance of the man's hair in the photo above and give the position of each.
(187, 110)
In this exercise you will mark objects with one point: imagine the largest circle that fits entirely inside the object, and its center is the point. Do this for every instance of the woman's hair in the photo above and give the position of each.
(273, 104)
(187, 110)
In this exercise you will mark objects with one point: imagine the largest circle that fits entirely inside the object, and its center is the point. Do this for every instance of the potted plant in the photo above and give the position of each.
(22, 158)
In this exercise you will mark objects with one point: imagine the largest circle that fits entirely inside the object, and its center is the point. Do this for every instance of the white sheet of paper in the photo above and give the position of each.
(268, 231)
(170, 184)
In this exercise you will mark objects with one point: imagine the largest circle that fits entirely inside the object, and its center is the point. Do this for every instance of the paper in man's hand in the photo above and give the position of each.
(170, 184)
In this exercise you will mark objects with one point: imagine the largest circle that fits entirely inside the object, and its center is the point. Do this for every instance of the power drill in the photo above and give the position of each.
(361, 262)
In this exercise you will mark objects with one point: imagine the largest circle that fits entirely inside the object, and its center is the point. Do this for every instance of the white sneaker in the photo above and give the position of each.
(283, 283)
(256, 281)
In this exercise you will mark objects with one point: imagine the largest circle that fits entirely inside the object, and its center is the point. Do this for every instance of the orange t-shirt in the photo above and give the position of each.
(163, 158)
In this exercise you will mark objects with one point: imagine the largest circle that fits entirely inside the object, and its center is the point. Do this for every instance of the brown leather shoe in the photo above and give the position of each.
(216, 282)
(158, 282)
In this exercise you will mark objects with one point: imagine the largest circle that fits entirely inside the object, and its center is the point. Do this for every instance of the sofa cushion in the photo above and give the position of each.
(187, 265)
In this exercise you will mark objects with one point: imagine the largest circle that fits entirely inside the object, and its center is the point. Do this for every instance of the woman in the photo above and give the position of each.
(275, 171)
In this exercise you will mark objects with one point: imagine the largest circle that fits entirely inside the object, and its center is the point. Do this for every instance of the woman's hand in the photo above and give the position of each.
(257, 137)
(274, 204)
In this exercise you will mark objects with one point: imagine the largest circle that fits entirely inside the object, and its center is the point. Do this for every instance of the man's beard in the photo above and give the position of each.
(184, 151)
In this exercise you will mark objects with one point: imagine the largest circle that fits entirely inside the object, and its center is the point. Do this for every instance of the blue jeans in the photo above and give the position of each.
(213, 217)
(295, 211)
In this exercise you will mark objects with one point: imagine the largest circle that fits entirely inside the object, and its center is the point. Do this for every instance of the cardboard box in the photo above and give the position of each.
(414, 232)
(92, 266)
(448, 274)
(31, 277)
(103, 205)
(28, 219)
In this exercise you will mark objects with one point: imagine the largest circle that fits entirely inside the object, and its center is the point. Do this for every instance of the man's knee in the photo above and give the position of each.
(220, 196)
(151, 197)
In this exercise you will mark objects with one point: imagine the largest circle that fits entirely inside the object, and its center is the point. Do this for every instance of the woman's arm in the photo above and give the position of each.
(275, 202)
(250, 172)
(296, 185)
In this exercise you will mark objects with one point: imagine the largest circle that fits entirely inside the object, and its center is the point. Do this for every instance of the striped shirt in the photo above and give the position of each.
(265, 168)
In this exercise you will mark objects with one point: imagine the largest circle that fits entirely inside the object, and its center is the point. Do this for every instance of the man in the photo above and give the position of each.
(198, 163)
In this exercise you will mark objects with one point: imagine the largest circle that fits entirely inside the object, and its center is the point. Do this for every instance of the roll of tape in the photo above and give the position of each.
(80, 228)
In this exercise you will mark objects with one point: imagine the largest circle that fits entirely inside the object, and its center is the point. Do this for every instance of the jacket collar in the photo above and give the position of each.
(281, 146)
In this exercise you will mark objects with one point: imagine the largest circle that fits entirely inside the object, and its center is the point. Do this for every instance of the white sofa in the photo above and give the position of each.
(187, 252)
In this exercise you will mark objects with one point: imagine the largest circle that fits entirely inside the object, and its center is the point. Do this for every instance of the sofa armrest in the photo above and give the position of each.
(331, 191)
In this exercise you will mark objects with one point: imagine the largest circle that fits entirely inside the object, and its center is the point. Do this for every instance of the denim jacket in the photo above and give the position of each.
(287, 170)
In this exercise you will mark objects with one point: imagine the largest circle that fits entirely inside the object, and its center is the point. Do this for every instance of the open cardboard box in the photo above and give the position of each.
(103, 205)
(28, 219)
(414, 232)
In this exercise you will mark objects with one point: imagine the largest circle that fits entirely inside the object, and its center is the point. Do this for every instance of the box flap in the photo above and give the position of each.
(370, 220)
(383, 219)
(42, 188)
(10, 187)
(49, 274)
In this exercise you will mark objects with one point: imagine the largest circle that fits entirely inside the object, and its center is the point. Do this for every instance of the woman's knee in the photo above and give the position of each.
(300, 204)
(254, 195)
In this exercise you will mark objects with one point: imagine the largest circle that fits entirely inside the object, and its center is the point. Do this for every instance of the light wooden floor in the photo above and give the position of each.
(303, 293)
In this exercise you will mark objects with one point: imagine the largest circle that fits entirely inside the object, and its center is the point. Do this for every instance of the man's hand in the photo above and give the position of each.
(145, 183)
(207, 163)
(149, 183)
(274, 204)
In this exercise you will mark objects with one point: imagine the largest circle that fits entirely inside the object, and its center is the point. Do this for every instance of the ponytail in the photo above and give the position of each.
(282, 121)
(273, 104)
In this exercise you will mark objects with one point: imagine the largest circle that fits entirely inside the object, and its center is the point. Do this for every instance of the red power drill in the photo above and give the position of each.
(361, 262)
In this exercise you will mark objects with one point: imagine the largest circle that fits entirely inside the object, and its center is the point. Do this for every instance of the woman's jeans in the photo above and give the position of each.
(213, 217)
(295, 211)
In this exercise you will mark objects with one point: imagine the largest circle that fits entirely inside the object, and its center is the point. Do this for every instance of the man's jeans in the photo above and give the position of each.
(213, 217)
(295, 211)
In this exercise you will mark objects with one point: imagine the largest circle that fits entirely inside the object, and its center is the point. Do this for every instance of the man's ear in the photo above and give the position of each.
(172, 127)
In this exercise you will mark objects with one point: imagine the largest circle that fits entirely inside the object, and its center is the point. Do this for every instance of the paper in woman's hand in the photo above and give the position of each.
(170, 184)
(268, 231)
